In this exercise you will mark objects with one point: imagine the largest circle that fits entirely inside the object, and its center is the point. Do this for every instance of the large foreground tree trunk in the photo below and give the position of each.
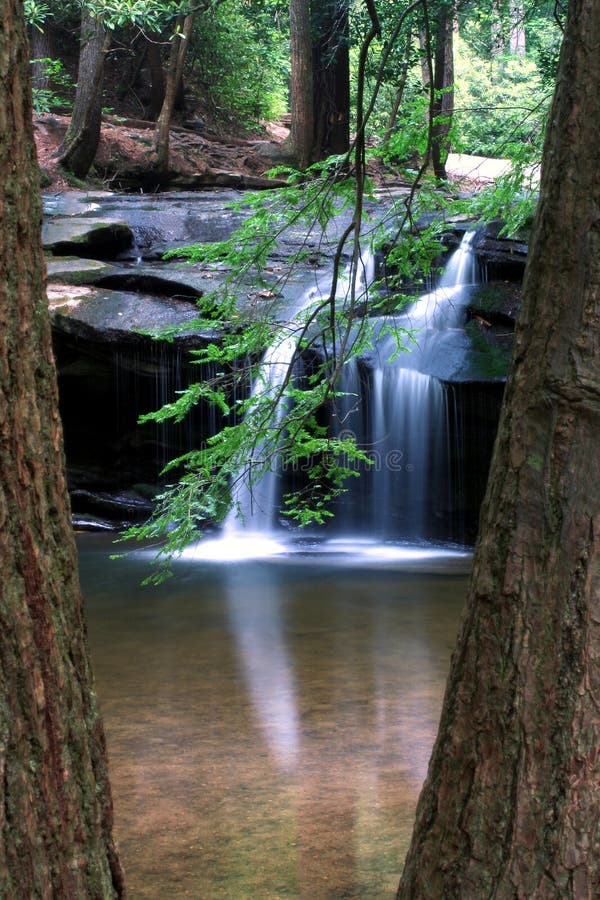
(83, 134)
(511, 804)
(55, 804)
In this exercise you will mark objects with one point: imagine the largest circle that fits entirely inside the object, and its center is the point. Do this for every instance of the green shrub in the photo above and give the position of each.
(497, 101)
(241, 64)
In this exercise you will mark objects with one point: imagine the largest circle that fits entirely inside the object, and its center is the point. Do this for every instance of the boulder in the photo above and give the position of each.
(119, 317)
(86, 237)
(73, 270)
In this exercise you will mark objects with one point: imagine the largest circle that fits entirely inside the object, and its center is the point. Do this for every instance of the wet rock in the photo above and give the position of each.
(86, 237)
(104, 510)
(496, 302)
(503, 258)
(176, 283)
(76, 271)
(119, 316)
(74, 203)
(85, 522)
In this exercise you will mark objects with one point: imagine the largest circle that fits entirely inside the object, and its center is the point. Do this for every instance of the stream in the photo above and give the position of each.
(269, 722)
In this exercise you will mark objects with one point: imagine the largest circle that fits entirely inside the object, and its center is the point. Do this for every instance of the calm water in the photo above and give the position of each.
(269, 722)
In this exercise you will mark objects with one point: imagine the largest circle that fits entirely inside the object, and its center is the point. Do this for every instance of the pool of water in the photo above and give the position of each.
(269, 720)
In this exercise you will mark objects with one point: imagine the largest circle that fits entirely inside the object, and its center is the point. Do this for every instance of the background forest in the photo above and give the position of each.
(223, 68)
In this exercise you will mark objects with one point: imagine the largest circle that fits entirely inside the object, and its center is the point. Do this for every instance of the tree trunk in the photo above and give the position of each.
(42, 47)
(511, 804)
(517, 28)
(55, 804)
(331, 78)
(177, 56)
(497, 36)
(157, 75)
(443, 81)
(83, 134)
(301, 83)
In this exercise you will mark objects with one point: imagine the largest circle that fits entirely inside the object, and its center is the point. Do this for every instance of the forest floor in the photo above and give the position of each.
(202, 158)
(198, 156)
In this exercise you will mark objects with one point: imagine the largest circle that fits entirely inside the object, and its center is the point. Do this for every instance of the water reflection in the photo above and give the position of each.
(256, 620)
(269, 722)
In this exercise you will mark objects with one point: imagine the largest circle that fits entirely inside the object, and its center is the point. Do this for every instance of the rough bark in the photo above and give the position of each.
(55, 804)
(42, 47)
(511, 804)
(301, 83)
(83, 134)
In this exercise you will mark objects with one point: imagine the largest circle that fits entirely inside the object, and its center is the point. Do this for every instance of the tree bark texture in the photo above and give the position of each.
(42, 47)
(301, 83)
(83, 134)
(55, 804)
(511, 804)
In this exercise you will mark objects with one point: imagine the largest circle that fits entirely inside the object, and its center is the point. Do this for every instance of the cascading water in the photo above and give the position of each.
(395, 408)
(257, 490)
(403, 425)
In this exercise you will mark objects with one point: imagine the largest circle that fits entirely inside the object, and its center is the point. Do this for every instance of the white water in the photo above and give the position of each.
(257, 489)
(404, 428)
(407, 493)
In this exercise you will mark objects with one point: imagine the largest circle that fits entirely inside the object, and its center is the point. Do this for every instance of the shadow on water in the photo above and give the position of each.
(270, 720)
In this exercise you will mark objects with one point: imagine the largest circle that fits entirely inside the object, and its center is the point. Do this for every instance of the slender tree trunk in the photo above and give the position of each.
(517, 28)
(497, 36)
(401, 86)
(55, 805)
(179, 48)
(301, 83)
(511, 804)
(83, 134)
(443, 80)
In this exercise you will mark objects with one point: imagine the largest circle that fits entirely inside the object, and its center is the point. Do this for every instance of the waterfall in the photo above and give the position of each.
(398, 413)
(256, 491)
(394, 407)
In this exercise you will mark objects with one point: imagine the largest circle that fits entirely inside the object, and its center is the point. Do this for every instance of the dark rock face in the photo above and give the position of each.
(504, 258)
(113, 462)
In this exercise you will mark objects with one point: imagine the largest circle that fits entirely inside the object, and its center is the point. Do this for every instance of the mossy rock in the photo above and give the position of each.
(74, 270)
(89, 238)
(496, 301)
